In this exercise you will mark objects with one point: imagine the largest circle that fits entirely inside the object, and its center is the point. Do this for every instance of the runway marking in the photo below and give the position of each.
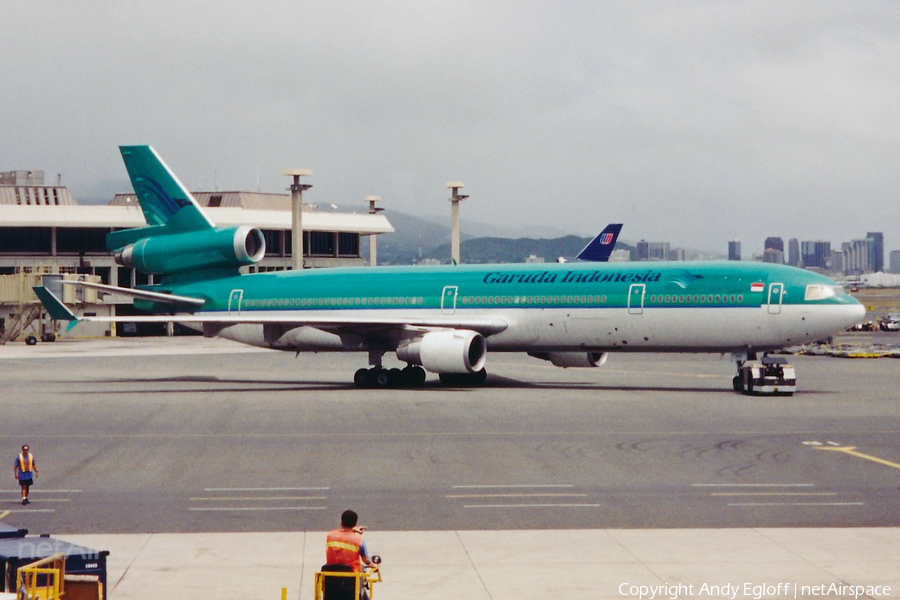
(31, 510)
(41, 491)
(283, 489)
(260, 508)
(45, 500)
(851, 450)
(243, 498)
(549, 485)
(798, 504)
(4, 513)
(753, 485)
(516, 496)
(531, 505)
(774, 494)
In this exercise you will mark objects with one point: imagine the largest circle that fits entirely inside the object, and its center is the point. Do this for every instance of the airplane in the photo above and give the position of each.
(445, 319)
(599, 248)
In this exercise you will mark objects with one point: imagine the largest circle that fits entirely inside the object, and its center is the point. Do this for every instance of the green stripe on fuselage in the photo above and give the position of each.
(608, 285)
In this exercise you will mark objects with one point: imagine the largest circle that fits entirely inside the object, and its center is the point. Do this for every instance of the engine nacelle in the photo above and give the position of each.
(454, 351)
(573, 359)
(224, 248)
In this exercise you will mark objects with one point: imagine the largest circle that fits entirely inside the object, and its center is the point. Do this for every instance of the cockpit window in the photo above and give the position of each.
(822, 292)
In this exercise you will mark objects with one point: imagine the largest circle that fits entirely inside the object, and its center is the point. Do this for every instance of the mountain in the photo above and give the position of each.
(417, 238)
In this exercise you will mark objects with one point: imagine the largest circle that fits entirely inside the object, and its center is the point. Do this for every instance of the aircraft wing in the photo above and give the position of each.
(220, 320)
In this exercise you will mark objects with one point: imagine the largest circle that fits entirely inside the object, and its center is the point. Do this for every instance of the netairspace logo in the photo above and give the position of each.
(756, 591)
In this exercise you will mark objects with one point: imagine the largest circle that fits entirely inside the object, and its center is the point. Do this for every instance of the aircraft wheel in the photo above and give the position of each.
(381, 378)
(395, 377)
(30, 340)
(413, 376)
(736, 383)
(362, 378)
(479, 377)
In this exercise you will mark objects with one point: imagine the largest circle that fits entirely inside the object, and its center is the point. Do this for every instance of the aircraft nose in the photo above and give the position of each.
(854, 313)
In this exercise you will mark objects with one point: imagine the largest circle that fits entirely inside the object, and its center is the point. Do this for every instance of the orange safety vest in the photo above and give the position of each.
(342, 548)
(26, 464)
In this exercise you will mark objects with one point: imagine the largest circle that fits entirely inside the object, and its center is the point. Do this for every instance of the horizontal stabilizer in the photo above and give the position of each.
(55, 308)
(141, 294)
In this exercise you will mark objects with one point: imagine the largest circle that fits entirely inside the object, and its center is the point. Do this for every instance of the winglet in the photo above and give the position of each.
(57, 310)
(601, 246)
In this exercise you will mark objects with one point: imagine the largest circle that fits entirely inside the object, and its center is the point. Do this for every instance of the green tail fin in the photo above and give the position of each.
(167, 205)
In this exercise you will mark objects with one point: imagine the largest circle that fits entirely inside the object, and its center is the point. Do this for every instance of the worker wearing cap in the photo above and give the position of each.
(25, 470)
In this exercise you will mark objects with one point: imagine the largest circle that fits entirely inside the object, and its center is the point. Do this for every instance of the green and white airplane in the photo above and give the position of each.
(445, 319)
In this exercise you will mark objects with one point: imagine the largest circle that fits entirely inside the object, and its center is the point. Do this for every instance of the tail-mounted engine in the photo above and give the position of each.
(231, 247)
(453, 351)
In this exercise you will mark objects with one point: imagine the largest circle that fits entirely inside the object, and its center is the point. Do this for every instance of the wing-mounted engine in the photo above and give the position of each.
(220, 248)
(450, 351)
(573, 359)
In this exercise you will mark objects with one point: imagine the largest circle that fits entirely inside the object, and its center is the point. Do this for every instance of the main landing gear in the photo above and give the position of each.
(376, 376)
(413, 376)
(379, 377)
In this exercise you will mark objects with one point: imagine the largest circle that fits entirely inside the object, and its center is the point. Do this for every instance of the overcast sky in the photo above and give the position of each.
(691, 122)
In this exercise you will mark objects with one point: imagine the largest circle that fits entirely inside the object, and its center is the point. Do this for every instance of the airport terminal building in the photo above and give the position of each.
(44, 231)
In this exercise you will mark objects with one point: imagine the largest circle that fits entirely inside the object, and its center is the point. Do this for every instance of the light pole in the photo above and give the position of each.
(373, 210)
(454, 219)
(297, 213)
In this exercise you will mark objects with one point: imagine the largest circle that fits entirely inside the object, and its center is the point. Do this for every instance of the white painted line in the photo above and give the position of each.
(470, 487)
(516, 496)
(812, 443)
(261, 508)
(27, 510)
(250, 498)
(41, 491)
(285, 489)
(799, 504)
(529, 505)
(46, 500)
(774, 494)
(752, 484)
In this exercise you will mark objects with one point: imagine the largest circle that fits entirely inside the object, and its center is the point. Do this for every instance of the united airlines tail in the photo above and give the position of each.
(601, 246)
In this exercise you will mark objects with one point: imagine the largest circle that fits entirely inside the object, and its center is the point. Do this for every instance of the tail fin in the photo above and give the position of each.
(601, 246)
(167, 205)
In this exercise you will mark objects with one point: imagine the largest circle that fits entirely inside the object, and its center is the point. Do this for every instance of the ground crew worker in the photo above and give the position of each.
(25, 470)
(345, 546)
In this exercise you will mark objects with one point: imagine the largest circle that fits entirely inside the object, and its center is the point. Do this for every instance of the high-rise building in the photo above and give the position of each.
(642, 250)
(815, 254)
(793, 252)
(877, 257)
(658, 250)
(773, 255)
(774, 243)
(837, 261)
(859, 256)
(734, 250)
(895, 261)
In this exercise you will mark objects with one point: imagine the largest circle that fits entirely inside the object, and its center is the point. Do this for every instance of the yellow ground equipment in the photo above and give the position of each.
(46, 579)
(347, 585)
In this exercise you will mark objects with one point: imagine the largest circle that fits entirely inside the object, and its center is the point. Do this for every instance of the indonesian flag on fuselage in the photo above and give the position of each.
(757, 286)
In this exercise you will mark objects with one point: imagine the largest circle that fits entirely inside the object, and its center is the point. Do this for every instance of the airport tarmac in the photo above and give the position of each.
(190, 459)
